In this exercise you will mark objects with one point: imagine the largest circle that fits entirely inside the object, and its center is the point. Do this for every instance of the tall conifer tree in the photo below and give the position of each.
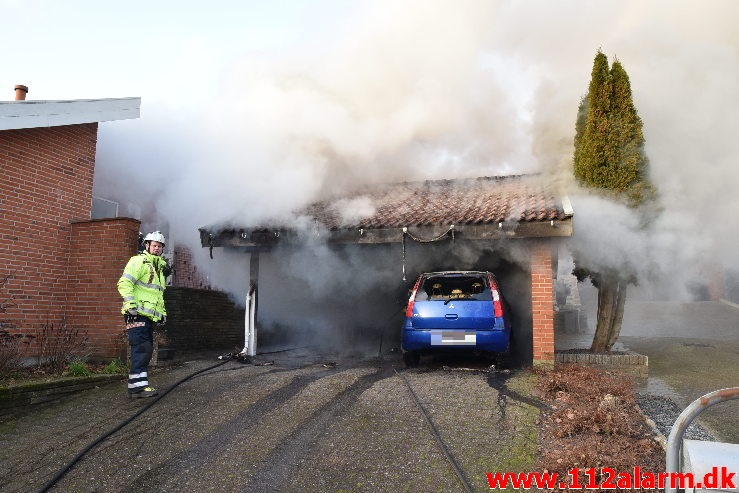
(609, 157)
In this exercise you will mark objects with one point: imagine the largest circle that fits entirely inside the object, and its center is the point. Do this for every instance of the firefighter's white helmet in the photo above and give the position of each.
(155, 236)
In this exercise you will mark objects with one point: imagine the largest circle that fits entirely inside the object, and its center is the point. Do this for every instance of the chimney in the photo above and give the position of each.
(20, 92)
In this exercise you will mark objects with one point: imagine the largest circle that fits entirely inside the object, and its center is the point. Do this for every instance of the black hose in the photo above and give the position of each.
(283, 350)
(97, 442)
(449, 457)
(385, 326)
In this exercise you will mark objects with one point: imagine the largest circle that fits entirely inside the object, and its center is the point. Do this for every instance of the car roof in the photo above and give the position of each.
(455, 273)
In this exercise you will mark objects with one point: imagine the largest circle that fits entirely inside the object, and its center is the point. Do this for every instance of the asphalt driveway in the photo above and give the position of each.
(302, 424)
(305, 422)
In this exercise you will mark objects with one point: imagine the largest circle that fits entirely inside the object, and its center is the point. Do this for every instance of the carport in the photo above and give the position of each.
(493, 215)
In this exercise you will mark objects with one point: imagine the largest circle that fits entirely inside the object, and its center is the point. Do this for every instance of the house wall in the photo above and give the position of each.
(197, 319)
(542, 301)
(63, 267)
(46, 177)
(200, 319)
(100, 250)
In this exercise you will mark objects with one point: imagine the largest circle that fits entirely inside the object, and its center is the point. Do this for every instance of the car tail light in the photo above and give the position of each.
(412, 299)
(497, 305)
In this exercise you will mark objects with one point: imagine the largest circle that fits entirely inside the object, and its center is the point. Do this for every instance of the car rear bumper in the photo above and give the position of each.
(485, 340)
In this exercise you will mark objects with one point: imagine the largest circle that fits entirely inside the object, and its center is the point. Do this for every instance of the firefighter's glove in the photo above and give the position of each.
(166, 268)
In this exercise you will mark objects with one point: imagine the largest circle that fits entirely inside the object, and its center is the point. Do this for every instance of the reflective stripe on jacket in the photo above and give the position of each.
(142, 286)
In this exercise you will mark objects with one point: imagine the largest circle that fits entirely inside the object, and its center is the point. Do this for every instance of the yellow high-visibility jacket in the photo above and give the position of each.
(142, 286)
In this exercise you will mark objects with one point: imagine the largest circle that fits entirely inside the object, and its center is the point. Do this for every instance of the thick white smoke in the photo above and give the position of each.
(446, 89)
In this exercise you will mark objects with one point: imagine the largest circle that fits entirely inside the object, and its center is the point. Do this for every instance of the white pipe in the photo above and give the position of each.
(247, 318)
(252, 345)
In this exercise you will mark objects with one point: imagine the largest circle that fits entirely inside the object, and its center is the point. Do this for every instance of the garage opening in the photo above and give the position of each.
(350, 300)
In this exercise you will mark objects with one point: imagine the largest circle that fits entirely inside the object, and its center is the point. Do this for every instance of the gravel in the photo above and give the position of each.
(664, 412)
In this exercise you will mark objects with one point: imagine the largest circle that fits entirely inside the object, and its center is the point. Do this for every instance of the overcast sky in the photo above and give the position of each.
(252, 108)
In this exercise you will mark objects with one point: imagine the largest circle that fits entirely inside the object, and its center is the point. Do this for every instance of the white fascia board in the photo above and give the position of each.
(567, 206)
(35, 114)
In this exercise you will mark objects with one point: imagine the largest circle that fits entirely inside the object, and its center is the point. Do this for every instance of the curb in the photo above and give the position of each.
(627, 364)
(17, 399)
(729, 303)
(658, 436)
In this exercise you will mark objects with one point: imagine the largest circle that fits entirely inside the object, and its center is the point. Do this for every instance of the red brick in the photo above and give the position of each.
(46, 186)
(542, 302)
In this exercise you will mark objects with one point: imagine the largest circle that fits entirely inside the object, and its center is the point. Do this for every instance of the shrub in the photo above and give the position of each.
(59, 345)
(78, 368)
(115, 367)
(11, 353)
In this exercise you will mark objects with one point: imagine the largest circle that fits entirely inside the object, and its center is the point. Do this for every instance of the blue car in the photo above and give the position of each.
(455, 310)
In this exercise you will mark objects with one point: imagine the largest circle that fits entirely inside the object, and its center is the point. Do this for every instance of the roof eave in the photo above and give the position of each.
(266, 239)
(16, 115)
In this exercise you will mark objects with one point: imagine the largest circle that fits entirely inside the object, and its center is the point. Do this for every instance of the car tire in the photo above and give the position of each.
(411, 358)
(504, 360)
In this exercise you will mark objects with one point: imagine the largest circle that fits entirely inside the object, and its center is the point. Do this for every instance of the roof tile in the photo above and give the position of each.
(464, 201)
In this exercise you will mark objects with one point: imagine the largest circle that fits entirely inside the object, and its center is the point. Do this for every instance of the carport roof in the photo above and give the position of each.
(473, 208)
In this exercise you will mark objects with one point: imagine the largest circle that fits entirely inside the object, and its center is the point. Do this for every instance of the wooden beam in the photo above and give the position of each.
(254, 267)
(266, 239)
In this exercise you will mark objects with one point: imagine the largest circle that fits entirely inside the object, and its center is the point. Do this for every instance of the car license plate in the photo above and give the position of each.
(453, 338)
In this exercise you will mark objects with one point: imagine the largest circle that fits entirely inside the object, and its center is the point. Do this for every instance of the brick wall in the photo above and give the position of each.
(186, 274)
(46, 177)
(64, 267)
(99, 252)
(632, 365)
(542, 302)
(199, 319)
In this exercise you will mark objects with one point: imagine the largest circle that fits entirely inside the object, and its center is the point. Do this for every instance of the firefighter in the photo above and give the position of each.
(142, 288)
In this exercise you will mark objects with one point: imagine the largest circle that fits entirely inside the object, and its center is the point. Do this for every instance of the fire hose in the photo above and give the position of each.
(64, 470)
(224, 359)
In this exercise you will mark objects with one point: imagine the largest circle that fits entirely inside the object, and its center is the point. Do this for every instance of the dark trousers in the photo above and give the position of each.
(141, 341)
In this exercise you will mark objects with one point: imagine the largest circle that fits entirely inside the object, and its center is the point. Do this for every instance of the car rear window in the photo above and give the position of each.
(454, 287)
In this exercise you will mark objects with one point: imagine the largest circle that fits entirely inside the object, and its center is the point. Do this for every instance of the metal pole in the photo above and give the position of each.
(675, 440)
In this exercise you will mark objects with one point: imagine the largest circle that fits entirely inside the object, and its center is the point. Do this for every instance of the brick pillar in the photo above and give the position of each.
(542, 303)
(716, 282)
(100, 250)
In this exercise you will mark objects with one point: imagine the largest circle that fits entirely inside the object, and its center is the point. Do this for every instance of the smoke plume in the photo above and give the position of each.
(439, 89)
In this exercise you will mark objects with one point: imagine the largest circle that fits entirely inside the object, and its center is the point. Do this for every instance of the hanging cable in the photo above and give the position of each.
(405, 231)
(423, 240)
(435, 238)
